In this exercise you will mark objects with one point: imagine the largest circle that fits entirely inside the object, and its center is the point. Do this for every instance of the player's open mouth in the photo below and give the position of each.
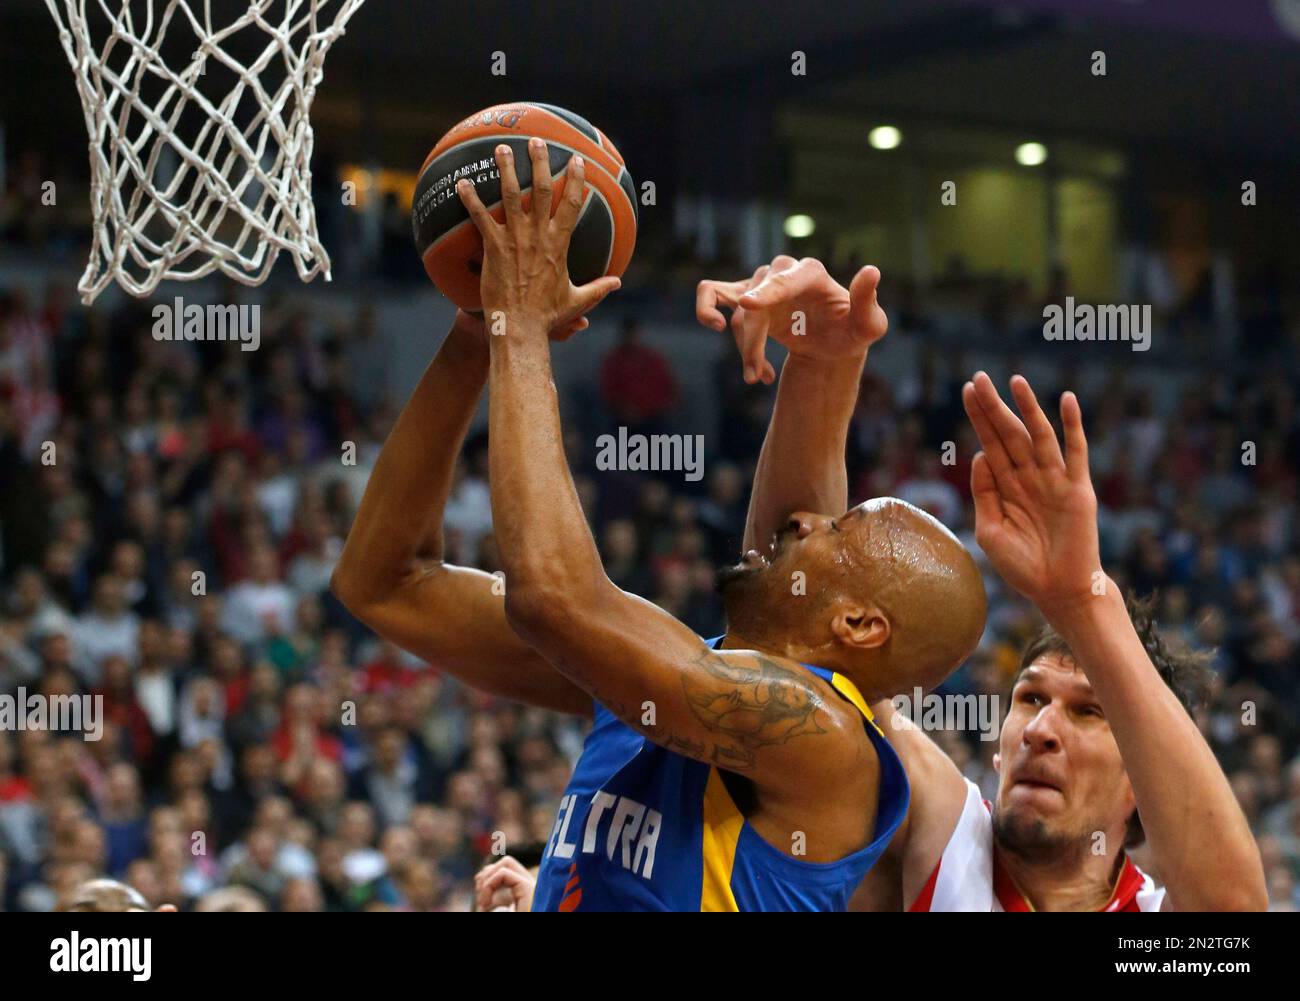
(1037, 784)
(753, 558)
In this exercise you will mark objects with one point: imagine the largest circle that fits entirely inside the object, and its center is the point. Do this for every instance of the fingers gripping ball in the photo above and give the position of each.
(448, 242)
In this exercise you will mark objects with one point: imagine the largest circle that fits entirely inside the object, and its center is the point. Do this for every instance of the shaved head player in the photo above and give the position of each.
(745, 773)
(110, 895)
(1098, 749)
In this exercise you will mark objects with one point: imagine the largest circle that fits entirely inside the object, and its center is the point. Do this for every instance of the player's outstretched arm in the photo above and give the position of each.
(391, 574)
(744, 711)
(1036, 519)
(827, 330)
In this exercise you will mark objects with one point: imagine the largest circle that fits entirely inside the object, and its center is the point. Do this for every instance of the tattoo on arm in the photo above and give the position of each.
(749, 705)
(749, 701)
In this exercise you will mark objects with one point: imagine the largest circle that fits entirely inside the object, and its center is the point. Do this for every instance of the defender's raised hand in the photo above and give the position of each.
(712, 296)
(525, 275)
(504, 885)
(799, 305)
(1035, 509)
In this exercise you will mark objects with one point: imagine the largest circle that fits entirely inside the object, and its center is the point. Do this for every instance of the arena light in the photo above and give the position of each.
(1031, 154)
(799, 226)
(884, 137)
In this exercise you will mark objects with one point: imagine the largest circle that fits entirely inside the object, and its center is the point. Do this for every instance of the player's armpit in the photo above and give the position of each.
(881, 888)
(454, 617)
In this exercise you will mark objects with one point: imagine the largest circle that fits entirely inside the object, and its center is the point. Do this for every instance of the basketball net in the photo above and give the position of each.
(225, 196)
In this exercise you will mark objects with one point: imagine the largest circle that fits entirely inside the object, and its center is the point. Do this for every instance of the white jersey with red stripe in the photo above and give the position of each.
(969, 877)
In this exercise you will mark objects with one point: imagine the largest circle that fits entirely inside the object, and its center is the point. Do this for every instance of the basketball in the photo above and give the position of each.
(449, 245)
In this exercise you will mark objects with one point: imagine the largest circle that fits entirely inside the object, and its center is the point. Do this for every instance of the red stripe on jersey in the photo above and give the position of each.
(571, 902)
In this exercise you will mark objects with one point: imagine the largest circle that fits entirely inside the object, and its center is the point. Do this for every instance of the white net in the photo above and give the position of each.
(199, 160)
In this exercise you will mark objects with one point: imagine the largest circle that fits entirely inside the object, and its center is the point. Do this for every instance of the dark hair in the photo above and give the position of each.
(529, 855)
(1186, 672)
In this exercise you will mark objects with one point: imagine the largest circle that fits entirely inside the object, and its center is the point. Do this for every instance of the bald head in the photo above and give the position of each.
(885, 594)
(106, 895)
(238, 899)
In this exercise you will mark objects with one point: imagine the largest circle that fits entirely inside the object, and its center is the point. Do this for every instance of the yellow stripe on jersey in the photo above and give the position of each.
(722, 824)
(850, 691)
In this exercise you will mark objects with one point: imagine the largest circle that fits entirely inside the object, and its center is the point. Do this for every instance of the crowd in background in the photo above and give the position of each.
(170, 514)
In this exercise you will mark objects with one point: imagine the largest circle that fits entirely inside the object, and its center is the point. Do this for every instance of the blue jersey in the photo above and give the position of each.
(642, 828)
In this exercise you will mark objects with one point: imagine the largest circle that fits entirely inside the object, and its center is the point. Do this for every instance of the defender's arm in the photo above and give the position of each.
(827, 330)
(1036, 518)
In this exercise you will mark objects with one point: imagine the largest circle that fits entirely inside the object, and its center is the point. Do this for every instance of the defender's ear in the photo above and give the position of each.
(862, 626)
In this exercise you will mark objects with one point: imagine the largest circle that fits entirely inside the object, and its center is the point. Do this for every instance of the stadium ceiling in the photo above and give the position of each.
(1181, 83)
(1024, 66)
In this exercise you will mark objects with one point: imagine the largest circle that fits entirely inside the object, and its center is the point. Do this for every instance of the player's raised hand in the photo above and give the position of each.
(712, 296)
(525, 275)
(505, 885)
(799, 305)
(1035, 509)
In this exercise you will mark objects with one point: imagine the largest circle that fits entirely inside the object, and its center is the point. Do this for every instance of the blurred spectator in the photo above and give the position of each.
(107, 628)
(636, 381)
